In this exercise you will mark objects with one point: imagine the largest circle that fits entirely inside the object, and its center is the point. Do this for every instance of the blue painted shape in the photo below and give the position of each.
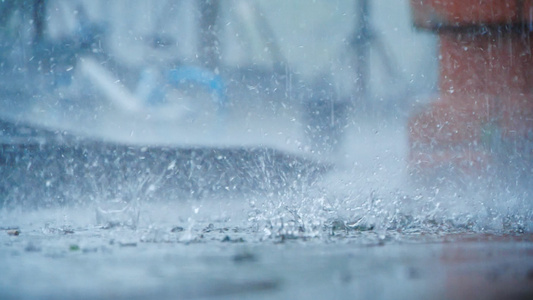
(202, 76)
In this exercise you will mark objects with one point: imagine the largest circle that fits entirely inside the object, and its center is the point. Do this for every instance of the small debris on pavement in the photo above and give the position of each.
(227, 239)
(13, 232)
(244, 257)
(177, 229)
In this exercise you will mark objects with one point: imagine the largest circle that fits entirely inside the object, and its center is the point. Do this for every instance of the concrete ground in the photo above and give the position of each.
(176, 252)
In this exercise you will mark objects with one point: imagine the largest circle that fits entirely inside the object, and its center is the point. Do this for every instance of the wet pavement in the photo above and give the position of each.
(66, 254)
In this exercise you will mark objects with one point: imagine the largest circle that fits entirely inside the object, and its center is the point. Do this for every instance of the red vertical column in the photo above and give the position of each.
(484, 110)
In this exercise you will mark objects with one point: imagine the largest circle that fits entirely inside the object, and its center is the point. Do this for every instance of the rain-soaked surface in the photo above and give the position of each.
(192, 150)
(345, 235)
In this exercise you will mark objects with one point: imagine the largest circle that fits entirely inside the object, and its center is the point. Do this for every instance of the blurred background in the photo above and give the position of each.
(301, 76)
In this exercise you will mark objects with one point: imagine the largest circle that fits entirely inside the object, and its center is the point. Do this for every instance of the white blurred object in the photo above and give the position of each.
(111, 87)
(122, 97)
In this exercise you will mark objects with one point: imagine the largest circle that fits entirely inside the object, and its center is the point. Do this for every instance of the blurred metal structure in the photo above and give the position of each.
(361, 44)
(209, 44)
(365, 39)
